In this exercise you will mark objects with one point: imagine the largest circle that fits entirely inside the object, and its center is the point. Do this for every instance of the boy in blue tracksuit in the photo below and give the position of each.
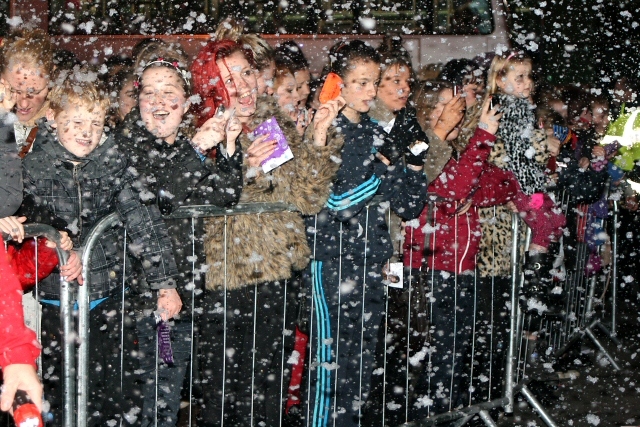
(350, 243)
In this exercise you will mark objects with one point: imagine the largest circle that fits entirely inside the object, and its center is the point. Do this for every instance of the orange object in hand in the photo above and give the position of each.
(331, 88)
(25, 412)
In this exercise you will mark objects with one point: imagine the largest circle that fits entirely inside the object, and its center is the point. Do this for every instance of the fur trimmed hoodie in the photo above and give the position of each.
(266, 247)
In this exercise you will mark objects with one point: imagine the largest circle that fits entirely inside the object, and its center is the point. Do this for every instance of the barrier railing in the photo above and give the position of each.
(515, 378)
(66, 320)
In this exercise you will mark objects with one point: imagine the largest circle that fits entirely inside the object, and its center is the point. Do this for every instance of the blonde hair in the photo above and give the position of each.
(28, 46)
(79, 87)
(228, 29)
(500, 66)
(231, 29)
(263, 53)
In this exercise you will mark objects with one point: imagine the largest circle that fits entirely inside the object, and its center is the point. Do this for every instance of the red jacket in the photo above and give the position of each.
(454, 238)
(18, 344)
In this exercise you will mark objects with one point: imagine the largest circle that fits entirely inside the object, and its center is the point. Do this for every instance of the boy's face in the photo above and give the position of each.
(80, 130)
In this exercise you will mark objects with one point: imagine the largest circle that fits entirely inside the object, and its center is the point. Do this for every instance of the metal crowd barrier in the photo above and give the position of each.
(515, 378)
(66, 320)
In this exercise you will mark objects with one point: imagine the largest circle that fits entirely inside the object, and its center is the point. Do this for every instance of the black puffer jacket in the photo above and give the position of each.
(10, 172)
(175, 175)
(83, 194)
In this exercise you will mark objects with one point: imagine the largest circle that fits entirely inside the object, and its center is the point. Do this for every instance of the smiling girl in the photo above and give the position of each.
(349, 235)
(177, 170)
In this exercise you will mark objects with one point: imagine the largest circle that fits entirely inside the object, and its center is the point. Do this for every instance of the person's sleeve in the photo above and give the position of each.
(222, 183)
(149, 238)
(405, 189)
(495, 187)
(18, 344)
(458, 179)
(39, 213)
(10, 171)
(584, 186)
(437, 157)
(315, 171)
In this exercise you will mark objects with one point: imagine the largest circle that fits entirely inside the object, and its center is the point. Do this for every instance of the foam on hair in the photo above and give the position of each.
(28, 46)
(79, 86)
(500, 67)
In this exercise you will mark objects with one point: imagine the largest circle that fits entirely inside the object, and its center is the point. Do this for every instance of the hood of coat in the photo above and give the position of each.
(381, 114)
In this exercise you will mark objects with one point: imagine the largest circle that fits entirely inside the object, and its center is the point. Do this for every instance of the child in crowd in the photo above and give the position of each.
(285, 91)
(81, 182)
(510, 86)
(443, 244)
(252, 258)
(351, 243)
(178, 168)
(26, 73)
(122, 94)
(290, 51)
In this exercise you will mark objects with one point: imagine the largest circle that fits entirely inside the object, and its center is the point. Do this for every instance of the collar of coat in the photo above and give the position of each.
(133, 129)
(105, 159)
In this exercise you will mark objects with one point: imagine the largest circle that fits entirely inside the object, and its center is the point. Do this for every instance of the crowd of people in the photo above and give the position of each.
(394, 169)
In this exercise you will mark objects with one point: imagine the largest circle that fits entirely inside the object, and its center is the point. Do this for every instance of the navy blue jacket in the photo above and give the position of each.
(362, 177)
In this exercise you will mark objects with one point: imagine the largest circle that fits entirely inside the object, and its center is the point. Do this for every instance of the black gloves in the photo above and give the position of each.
(405, 139)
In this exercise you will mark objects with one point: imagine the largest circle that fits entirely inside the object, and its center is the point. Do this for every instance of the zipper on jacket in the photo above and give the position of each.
(77, 183)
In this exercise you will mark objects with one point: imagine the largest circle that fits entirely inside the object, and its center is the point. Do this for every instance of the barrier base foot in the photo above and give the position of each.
(537, 406)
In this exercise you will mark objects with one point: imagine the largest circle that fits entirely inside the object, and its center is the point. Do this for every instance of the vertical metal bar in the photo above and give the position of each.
(455, 312)
(491, 325)
(122, 310)
(83, 336)
(155, 406)
(38, 318)
(614, 269)
(408, 364)
(68, 357)
(315, 239)
(362, 314)
(431, 300)
(384, 356)
(513, 318)
(473, 334)
(284, 327)
(253, 350)
(224, 324)
(335, 376)
(193, 315)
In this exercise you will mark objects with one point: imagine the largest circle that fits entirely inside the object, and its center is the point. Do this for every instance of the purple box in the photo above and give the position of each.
(282, 153)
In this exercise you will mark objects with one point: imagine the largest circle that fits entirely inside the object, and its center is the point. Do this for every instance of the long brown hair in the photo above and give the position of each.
(426, 98)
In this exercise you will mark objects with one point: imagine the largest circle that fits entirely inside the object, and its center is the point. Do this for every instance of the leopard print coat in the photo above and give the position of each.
(494, 257)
